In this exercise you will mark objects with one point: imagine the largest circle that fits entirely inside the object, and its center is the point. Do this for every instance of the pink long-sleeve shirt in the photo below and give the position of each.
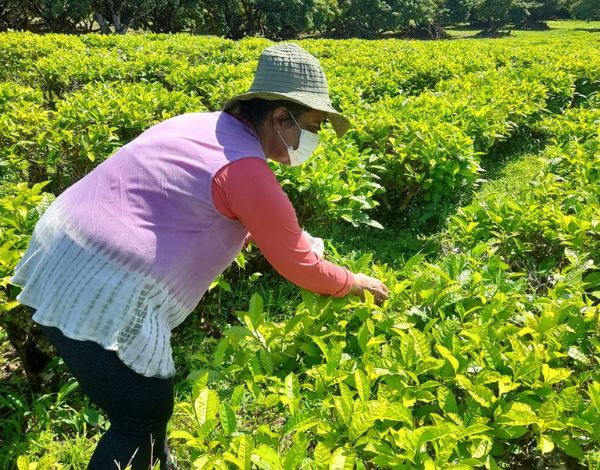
(247, 190)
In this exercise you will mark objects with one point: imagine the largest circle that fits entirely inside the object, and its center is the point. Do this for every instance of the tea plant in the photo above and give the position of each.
(486, 356)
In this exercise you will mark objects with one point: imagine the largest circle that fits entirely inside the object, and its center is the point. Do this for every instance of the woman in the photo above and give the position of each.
(125, 254)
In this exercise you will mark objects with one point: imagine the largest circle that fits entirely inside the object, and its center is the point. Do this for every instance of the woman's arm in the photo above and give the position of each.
(248, 190)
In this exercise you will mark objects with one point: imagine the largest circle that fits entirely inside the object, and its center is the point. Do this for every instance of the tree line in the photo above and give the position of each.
(286, 19)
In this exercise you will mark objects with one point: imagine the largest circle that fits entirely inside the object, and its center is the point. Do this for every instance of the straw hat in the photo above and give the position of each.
(288, 72)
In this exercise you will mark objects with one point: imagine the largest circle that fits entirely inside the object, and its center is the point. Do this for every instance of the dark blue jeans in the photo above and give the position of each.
(137, 407)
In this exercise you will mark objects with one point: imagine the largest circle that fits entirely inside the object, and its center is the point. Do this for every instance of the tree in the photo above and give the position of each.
(533, 14)
(586, 10)
(492, 14)
(233, 19)
(371, 18)
(120, 14)
(456, 11)
(12, 15)
(275, 19)
(543, 10)
(172, 16)
(361, 18)
(419, 16)
(285, 19)
(324, 15)
(61, 16)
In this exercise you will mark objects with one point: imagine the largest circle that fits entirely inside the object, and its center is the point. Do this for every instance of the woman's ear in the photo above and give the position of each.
(280, 117)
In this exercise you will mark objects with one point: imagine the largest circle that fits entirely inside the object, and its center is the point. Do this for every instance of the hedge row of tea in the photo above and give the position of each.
(486, 356)
(424, 114)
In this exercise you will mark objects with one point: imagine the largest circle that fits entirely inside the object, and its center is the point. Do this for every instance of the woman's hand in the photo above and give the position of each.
(363, 283)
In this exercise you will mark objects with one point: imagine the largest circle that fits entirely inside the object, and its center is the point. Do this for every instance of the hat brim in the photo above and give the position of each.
(339, 123)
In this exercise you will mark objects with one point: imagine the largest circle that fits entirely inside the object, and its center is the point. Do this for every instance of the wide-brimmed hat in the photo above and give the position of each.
(287, 72)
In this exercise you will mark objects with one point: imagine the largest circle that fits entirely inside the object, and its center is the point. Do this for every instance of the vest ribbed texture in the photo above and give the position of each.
(124, 255)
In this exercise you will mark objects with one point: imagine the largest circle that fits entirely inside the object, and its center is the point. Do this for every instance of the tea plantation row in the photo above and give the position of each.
(485, 357)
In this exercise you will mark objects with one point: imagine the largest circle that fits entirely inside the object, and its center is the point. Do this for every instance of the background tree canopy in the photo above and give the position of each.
(285, 19)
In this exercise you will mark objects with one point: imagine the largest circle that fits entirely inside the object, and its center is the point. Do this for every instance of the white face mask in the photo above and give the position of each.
(306, 146)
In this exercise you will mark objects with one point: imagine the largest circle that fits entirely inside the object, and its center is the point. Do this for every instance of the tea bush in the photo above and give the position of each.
(24, 120)
(419, 95)
(484, 357)
(21, 206)
(468, 363)
(559, 212)
(461, 367)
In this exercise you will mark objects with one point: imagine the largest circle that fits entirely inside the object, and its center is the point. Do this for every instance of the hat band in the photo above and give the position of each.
(292, 91)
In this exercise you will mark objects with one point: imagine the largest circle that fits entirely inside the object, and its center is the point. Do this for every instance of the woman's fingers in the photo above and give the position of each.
(380, 292)
(374, 286)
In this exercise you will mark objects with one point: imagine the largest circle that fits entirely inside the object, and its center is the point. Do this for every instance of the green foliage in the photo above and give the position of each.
(120, 14)
(338, 183)
(459, 360)
(275, 19)
(23, 121)
(457, 11)
(172, 16)
(585, 10)
(483, 354)
(324, 14)
(492, 14)
(49, 413)
(20, 208)
(61, 15)
(89, 125)
(565, 192)
(422, 123)
(230, 18)
(285, 19)
(12, 15)
(402, 110)
(356, 18)
(526, 13)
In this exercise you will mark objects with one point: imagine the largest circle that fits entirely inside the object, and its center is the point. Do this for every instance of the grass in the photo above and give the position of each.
(513, 178)
(511, 166)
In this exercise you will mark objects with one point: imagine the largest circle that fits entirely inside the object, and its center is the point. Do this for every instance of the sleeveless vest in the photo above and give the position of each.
(124, 255)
